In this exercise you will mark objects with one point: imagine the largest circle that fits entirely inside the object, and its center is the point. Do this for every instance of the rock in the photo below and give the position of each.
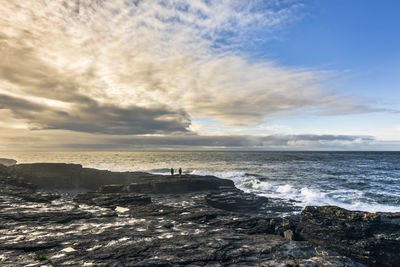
(288, 234)
(37, 197)
(7, 162)
(166, 230)
(179, 184)
(236, 200)
(370, 238)
(17, 187)
(112, 200)
(50, 175)
(197, 221)
(73, 176)
(112, 188)
(3, 169)
(168, 225)
(233, 199)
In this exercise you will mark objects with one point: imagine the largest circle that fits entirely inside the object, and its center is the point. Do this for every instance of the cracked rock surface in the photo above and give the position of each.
(131, 229)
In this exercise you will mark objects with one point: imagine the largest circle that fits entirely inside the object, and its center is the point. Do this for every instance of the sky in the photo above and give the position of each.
(199, 75)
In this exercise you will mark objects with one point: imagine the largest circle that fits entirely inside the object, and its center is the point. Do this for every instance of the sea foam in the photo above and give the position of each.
(304, 196)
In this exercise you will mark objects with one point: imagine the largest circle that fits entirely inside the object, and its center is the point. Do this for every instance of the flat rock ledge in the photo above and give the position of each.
(63, 176)
(370, 238)
(139, 219)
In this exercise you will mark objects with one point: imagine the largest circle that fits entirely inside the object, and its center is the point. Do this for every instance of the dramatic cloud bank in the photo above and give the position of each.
(150, 67)
(65, 140)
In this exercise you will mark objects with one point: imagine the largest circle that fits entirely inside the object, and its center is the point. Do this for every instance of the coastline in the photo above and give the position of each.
(147, 220)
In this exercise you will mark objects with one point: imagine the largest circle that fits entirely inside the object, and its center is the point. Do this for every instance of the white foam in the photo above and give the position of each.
(224, 175)
(263, 186)
(286, 189)
(307, 196)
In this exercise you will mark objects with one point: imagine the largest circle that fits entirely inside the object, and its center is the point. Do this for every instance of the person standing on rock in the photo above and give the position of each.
(172, 171)
(180, 171)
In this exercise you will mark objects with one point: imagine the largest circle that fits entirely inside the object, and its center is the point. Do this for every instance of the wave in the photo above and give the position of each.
(304, 196)
(162, 171)
(223, 175)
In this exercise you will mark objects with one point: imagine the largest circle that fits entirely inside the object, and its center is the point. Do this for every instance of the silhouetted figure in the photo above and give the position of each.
(180, 171)
(172, 171)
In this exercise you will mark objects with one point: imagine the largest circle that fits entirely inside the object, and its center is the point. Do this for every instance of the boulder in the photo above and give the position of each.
(370, 238)
(7, 162)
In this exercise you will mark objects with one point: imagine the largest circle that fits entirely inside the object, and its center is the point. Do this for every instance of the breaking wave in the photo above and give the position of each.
(304, 196)
(223, 175)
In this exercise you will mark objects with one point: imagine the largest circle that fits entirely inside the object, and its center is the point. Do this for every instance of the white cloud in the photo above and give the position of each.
(171, 60)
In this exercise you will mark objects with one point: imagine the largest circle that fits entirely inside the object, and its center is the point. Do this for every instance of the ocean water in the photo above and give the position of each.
(367, 181)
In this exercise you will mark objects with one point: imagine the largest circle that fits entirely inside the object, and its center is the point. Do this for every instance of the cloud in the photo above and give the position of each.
(127, 68)
(272, 141)
(177, 54)
(61, 140)
(89, 116)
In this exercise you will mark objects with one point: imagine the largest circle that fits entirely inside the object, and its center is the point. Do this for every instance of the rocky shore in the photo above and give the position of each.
(66, 215)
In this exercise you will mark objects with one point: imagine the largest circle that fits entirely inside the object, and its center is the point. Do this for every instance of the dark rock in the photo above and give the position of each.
(50, 175)
(236, 200)
(179, 184)
(7, 162)
(371, 238)
(172, 230)
(168, 225)
(31, 246)
(196, 225)
(111, 200)
(52, 216)
(15, 186)
(113, 188)
(72, 176)
(37, 197)
(233, 199)
(3, 169)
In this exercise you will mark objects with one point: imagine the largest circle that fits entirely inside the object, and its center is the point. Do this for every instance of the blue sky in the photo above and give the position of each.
(175, 74)
(356, 38)
(358, 41)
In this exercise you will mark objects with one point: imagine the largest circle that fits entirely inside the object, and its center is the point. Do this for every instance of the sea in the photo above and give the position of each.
(366, 181)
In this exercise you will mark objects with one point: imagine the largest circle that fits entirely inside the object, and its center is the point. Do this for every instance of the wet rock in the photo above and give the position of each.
(7, 162)
(177, 229)
(232, 199)
(36, 197)
(112, 188)
(31, 246)
(3, 169)
(179, 184)
(112, 200)
(236, 200)
(371, 238)
(51, 216)
(16, 186)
